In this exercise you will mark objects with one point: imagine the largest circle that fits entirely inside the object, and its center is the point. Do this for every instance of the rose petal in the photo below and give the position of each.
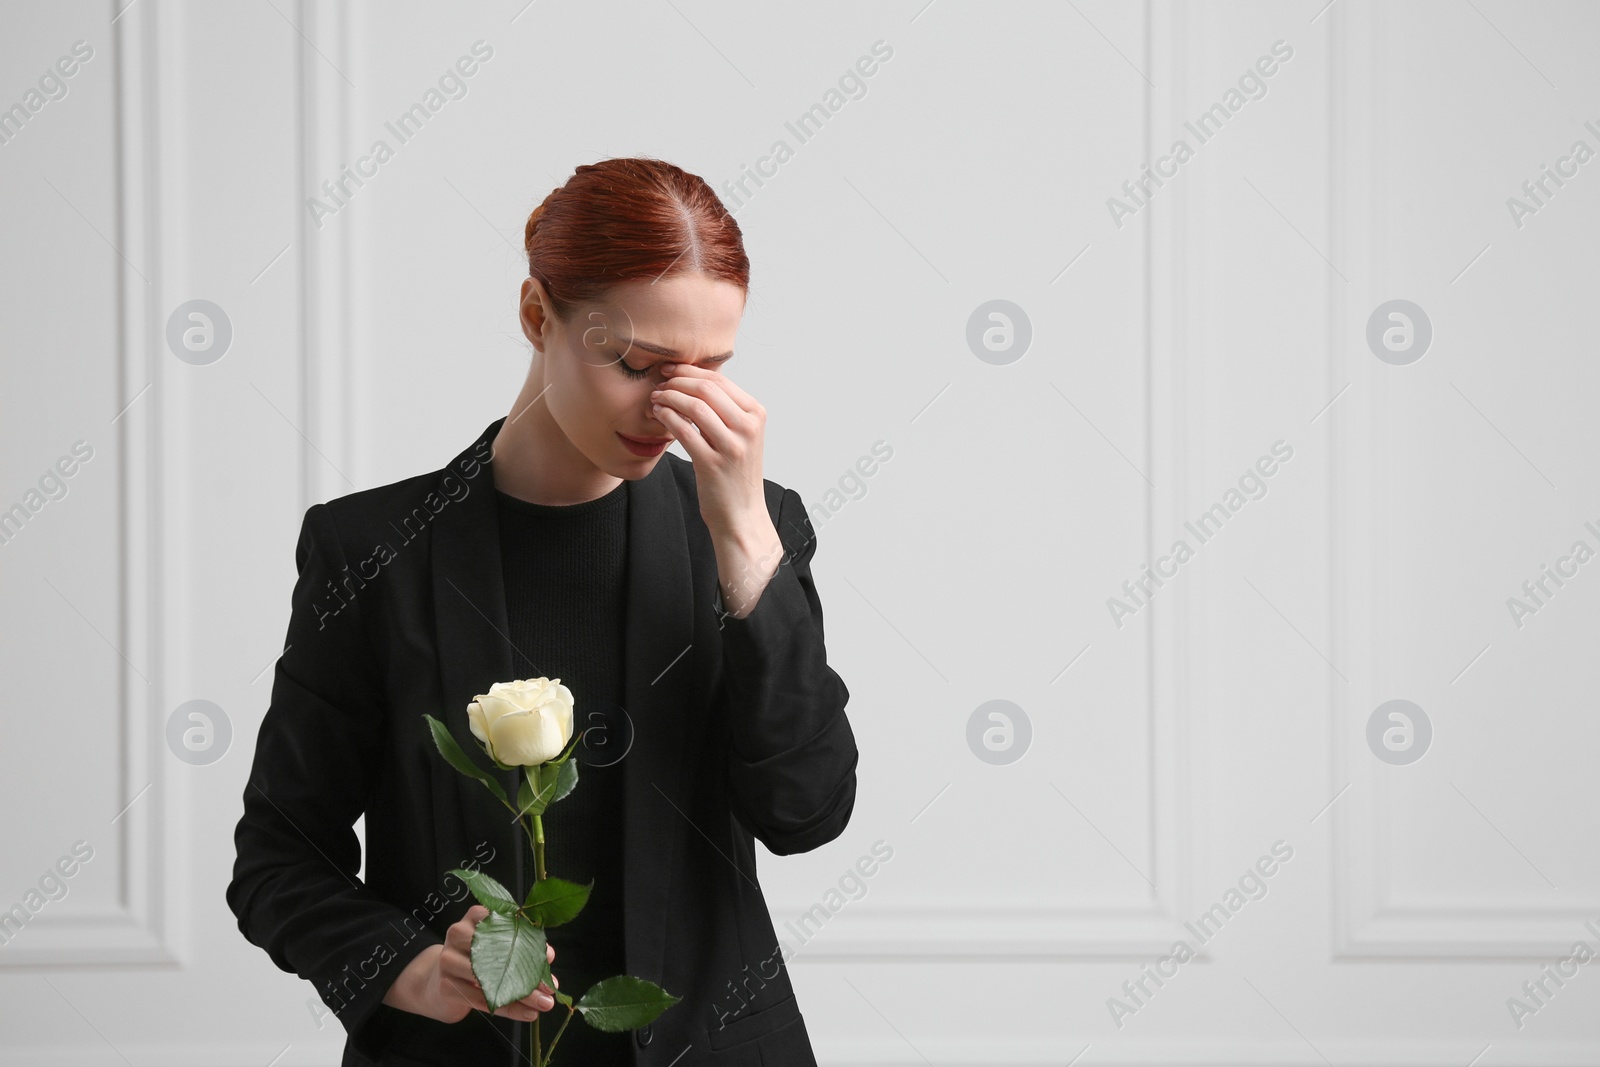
(476, 720)
(518, 739)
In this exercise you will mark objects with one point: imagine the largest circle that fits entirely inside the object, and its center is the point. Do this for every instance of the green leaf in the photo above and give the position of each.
(566, 780)
(446, 744)
(538, 784)
(490, 893)
(624, 1003)
(508, 958)
(566, 1001)
(555, 901)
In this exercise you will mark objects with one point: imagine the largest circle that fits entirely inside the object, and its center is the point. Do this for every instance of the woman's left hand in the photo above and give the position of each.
(722, 427)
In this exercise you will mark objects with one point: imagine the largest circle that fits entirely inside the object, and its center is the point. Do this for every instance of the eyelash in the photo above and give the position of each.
(630, 372)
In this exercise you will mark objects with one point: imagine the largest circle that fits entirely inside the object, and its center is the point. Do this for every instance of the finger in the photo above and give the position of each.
(459, 934)
(710, 392)
(688, 434)
(518, 1011)
(692, 409)
(682, 429)
(539, 1000)
(471, 994)
(524, 1010)
(458, 966)
(689, 370)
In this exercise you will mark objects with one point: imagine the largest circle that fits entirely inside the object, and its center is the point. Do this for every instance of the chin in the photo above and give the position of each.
(631, 467)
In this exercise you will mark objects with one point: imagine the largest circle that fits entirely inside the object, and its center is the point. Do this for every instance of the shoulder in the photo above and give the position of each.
(788, 511)
(370, 516)
(776, 494)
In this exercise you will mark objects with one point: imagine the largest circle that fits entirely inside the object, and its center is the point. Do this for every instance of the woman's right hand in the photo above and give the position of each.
(439, 982)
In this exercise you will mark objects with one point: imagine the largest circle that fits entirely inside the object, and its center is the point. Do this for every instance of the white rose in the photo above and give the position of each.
(524, 723)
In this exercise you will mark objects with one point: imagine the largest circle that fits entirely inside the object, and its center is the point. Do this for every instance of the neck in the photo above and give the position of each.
(535, 461)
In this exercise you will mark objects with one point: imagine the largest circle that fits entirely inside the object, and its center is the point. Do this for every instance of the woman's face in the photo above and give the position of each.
(601, 366)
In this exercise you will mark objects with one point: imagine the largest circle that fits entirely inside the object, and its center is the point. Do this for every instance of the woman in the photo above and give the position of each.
(673, 597)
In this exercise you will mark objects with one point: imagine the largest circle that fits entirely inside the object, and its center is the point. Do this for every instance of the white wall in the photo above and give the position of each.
(1167, 355)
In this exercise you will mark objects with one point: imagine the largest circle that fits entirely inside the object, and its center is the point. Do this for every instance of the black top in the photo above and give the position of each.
(566, 583)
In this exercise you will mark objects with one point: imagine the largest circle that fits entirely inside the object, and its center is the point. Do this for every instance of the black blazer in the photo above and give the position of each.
(739, 734)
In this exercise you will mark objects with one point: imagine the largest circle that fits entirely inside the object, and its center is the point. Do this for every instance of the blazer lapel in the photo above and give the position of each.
(474, 650)
(658, 676)
(469, 598)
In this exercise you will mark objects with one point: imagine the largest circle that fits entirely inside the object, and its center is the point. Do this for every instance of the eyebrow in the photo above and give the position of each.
(671, 353)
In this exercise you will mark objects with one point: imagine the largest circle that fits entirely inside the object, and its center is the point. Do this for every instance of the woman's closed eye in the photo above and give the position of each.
(629, 371)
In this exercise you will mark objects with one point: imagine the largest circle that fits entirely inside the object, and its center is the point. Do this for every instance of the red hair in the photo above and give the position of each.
(625, 219)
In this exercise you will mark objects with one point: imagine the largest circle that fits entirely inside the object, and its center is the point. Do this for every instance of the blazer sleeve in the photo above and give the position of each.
(791, 754)
(295, 888)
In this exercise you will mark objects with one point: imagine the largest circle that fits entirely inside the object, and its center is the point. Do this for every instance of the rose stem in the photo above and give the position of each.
(538, 845)
(559, 1032)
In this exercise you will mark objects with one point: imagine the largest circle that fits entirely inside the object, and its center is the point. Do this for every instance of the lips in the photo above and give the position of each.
(645, 447)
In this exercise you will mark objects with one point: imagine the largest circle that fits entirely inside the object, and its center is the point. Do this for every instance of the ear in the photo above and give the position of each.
(533, 311)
